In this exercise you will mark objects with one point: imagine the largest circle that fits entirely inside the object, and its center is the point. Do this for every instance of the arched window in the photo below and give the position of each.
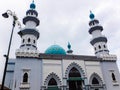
(104, 46)
(96, 89)
(52, 82)
(33, 41)
(28, 39)
(99, 47)
(113, 77)
(23, 40)
(25, 78)
(95, 48)
(95, 81)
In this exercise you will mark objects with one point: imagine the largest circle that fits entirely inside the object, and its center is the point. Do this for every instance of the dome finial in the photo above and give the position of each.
(32, 5)
(92, 16)
(69, 48)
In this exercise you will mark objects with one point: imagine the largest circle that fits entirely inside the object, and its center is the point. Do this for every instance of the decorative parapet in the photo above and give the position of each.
(108, 57)
(27, 53)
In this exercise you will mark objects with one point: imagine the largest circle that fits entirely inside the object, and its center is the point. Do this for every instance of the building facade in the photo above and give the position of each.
(57, 69)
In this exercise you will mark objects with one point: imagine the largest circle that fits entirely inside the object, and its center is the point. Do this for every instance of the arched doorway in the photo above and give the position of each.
(52, 84)
(74, 79)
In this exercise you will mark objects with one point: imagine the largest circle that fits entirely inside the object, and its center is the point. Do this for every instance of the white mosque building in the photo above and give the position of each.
(56, 69)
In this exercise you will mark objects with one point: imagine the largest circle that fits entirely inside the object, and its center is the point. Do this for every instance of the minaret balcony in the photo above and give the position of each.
(95, 28)
(101, 51)
(99, 39)
(93, 22)
(21, 53)
(32, 12)
(29, 31)
(31, 18)
(30, 45)
(108, 57)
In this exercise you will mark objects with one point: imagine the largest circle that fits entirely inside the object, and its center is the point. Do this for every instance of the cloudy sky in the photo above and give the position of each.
(63, 21)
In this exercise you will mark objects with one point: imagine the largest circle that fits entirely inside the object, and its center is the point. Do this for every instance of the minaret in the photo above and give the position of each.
(29, 34)
(99, 41)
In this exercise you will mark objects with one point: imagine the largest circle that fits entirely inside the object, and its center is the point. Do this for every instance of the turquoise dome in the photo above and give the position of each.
(55, 49)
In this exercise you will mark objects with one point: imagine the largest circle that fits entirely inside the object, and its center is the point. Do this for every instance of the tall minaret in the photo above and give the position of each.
(99, 41)
(29, 34)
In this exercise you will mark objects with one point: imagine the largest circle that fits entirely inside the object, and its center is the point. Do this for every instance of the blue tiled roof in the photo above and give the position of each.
(55, 49)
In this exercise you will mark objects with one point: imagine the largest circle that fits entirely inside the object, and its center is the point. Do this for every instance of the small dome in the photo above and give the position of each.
(55, 49)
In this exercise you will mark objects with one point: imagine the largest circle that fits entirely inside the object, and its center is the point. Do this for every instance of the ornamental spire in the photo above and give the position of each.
(69, 48)
(32, 5)
(92, 16)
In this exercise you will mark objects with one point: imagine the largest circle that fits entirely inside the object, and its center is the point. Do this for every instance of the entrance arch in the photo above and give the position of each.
(52, 82)
(75, 80)
(75, 77)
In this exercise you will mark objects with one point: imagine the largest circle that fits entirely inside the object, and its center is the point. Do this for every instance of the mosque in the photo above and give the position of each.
(58, 69)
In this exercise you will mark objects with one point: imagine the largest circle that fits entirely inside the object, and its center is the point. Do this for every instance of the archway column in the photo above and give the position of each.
(43, 88)
(64, 86)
